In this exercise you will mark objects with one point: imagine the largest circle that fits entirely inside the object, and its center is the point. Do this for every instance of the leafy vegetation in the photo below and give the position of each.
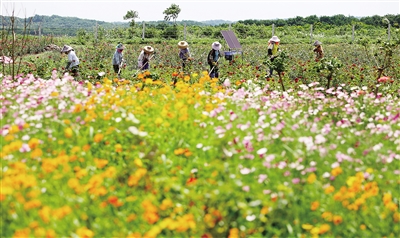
(174, 153)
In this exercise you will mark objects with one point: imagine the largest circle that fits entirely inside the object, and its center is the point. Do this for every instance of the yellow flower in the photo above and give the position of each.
(36, 153)
(118, 148)
(307, 226)
(351, 180)
(68, 133)
(84, 232)
(311, 178)
(13, 129)
(387, 197)
(33, 143)
(158, 121)
(138, 162)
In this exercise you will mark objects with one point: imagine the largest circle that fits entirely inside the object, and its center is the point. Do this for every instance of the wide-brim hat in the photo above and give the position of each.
(120, 46)
(66, 48)
(183, 44)
(274, 39)
(216, 45)
(317, 43)
(148, 49)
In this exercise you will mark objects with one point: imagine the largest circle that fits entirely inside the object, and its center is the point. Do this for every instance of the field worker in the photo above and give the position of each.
(73, 61)
(144, 58)
(184, 53)
(213, 56)
(118, 59)
(273, 48)
(319, 52)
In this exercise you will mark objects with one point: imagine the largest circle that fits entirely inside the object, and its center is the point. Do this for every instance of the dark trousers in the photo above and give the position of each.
(214, 71)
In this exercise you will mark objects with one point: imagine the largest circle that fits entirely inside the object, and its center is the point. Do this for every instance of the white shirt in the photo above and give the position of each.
(73, 59)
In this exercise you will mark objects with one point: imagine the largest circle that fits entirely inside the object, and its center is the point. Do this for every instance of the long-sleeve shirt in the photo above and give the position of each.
(143, 59)
(184, 54)
(117, 58)
(72, 60)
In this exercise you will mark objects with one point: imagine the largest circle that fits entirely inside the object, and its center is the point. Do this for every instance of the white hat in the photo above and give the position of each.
(317, 42)
(274, 39)
(182, 44)
(216, 45)
(66, 48)
(148, 49)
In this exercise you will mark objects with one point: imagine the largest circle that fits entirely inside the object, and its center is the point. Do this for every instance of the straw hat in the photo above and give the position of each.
(120, 46)
(317, 43)
(66, 48)
(216, 45)
(148, 49)
(183, 45)
(274, 39)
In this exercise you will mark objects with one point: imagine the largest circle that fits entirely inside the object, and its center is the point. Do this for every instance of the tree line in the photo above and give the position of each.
(336, 20)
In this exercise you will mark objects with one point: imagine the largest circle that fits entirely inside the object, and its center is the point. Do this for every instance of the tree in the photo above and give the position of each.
(172, 12)
(131, 15)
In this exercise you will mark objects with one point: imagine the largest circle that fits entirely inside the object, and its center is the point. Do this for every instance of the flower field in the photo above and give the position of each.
(229, 157)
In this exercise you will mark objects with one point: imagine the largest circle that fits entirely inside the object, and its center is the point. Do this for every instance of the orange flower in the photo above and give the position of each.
(336, 171)
(98, 137)
(33, 143)
(114, 201)
(314, 205)
(100, 163)
(86, 147)
(324, 228)
(337, 219)
(329, 189)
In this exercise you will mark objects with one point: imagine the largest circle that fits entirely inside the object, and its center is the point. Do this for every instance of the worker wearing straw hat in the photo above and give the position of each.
(118, 60)
(144, 58)
(273, 48)
(213, 58)
(318, 50)
(73, 61)
(184, 53)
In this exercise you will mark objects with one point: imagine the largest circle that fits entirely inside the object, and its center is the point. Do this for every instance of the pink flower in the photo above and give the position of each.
(383, 79)
(295, 180)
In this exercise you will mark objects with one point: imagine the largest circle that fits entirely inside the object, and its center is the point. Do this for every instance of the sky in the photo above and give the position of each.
(229, 10)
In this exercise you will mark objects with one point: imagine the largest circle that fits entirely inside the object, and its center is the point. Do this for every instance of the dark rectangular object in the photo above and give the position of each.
(231, 39)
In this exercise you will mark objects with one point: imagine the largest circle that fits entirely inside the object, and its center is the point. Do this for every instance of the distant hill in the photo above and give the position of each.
(59, 25)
